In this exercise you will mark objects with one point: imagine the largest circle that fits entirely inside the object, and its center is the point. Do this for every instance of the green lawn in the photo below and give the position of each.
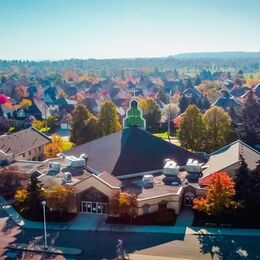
(67, 145)
(164, 135)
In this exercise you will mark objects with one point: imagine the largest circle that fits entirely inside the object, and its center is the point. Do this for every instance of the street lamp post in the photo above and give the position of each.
(44, 224)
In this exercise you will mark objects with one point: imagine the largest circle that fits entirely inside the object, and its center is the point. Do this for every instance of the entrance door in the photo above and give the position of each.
(189, 200)
(93, 207)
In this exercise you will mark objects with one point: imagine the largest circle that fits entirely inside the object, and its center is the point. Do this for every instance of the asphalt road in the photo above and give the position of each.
(102, 245)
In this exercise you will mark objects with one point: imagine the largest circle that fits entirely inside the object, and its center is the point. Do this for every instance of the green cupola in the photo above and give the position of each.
(134, 116)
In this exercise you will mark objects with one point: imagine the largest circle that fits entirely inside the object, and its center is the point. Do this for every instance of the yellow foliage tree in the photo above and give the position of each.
(52, 149)
(38, 124)
(128, 204)
(60, 198)
(25, 103)
(21, 195)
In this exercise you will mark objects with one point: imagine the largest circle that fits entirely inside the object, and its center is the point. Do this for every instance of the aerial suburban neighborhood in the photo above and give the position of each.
(120, 157)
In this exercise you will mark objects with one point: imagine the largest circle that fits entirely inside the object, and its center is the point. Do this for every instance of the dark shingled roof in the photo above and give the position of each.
(129, 151)
(23, 141)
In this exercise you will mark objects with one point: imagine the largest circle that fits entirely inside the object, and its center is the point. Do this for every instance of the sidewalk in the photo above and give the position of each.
(92, 222)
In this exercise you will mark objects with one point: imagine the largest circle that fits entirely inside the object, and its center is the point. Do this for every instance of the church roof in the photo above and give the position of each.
(130, 151)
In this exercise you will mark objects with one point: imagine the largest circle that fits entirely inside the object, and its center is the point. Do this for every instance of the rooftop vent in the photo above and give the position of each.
(67, 177)
(55, 166)
(170, 167)
(75, 162)
(147, 181)
(193, 166)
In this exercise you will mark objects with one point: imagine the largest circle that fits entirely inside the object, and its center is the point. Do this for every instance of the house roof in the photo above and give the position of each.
(229, 155)
(22, 141)
(130, 151)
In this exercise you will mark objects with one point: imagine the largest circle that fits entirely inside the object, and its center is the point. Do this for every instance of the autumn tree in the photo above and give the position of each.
(60, 198)
(25, 103)
(83, 125)
(11, 178)
(108, 121)
(151, 113)
(192, 129)
(54, 147)
(38, 124)
(128, 204)
(218, 128)
(114, 204)
(219, 195)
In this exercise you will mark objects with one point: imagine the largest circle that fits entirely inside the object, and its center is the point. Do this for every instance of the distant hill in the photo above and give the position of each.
(218, 55)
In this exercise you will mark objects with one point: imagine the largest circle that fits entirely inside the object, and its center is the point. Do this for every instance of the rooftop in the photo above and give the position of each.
(22, 141)
(131, 151)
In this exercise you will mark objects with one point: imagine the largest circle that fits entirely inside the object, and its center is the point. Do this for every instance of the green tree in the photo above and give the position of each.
(151, 113)
(249, 120)
(192, 129)
(108, 121)
(242, 183)
(218, 128)
(183, 103)
(83, 125)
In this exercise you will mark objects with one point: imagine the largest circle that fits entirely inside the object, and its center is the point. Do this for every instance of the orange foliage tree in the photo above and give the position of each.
(219, 196)
(52, 149)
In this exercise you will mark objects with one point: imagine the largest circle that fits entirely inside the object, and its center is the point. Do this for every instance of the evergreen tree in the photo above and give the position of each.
(108, 121)
(197, 80)
(183, 103)
(242, 182)
(34, 195)
(175, 74)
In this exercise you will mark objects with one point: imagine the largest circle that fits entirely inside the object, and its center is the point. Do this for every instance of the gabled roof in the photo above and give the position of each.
(229, 155)
(130, 151)
(22, 141)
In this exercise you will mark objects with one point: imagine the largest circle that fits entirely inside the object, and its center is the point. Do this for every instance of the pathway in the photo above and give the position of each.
(185, 218)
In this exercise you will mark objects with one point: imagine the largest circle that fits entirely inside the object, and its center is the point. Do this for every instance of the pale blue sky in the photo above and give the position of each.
(62, 29)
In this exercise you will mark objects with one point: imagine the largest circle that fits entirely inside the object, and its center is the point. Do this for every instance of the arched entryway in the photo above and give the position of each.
(93, 201)
(188, 199)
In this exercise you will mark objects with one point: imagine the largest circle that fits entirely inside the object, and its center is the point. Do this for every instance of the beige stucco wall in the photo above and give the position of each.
(174, 201)
(93, 181)
(29, 155)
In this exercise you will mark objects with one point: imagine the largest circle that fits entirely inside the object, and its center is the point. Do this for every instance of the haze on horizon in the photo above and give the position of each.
(64, 29)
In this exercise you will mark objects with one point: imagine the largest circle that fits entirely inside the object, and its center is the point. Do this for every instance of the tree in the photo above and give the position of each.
(11, 178)
(114, 204)
(38, 124)
(108, 121)
(128, 204)
(151, 113)
(218, 128)
(83, 125)
(21, 195)
(52, 149)
(219, 196)
(249, 121)
(192, 129)
(25, 103)
(242, 183)
(183, 103)
(170, 111)
(60, 198)
(35, 195)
